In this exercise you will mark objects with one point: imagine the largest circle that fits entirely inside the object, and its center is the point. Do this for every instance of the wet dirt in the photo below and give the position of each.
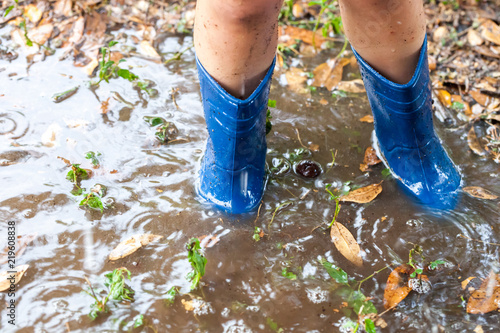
(152, 191)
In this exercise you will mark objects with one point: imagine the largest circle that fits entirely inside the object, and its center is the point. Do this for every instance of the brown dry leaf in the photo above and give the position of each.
(487, 297)
(483, 99)
(364, 194)
(208, 241)
(303, 34)
(298, 10)
(132, 244)
(432, 63)
(41, 33)
(90, 67)
(18, 275)
(33, 13)
(314, 147)
(444, 97)
(479, 192)
(396, 289)
(296, 79)
(63, 7)
(440, 33)
(367, 119)
(329, 74)
(486, 51)
(188, 305)
(78, 27)
(346, 244)
(148, 50)
(370, 159)
(474, 144)
(478, 329)
(474, 38)
(22, 243)
(323, 101)
(490, 31)
(466, 282)
(353, 86)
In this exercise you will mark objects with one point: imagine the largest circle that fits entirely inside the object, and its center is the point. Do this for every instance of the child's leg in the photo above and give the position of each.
(236, 41)
(389, 39)
(388, 34)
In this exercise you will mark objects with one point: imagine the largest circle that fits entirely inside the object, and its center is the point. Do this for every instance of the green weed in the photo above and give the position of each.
(90, 155)
(197, 260)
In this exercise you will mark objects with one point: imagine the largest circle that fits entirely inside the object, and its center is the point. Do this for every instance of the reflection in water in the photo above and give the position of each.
(150, 190)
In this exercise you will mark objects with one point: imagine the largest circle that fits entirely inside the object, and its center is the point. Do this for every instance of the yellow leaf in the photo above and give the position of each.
(364, 194)
(346, 244)
(132, 244)
(367, 119)
(354, 86)
(33, 13)
(479, 192)
(466, 282)
(396, 289)
(474, 144)
(444, 97)
(487, 297)
(5, 283)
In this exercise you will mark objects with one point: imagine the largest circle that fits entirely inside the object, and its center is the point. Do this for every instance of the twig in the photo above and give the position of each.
(258, 212)
(276, 210)
(298, 136)
(477, 240)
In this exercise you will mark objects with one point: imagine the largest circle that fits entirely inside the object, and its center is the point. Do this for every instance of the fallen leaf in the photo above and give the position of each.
(479, 192)
(132, 244)
(78, 27)
(329, 74)
(5, 283)
(314, 147)
(298, 10)
(440, 34)
(487, 297)
(33, 13)
(367, 119)
(148, 50)
(486, 51)
(353, 86)
(483, 99)
(490, 31)
(474, 38)
(323, 101)
(397, 288)
(90, 67)
(296, 78)
(41, 33)
(63, 7)
(22, 243)
(364, 194)
(370, 159)
(466, 282)
(478, 329)
(304, 35)
(432, 63)
(474, 144)
(346, 244)
(188, 305)
(457, 98)
(444, 97)
(208, 241)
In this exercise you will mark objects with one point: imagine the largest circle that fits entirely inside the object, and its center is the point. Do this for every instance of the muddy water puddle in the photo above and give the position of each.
(150, 189)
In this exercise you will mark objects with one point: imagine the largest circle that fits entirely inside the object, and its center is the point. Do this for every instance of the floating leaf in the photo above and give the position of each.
(466, 282)
(329, 74)
(397, 289)
(367, 119)
(364, 194)
(337, 273)
(370, 159)
(346, 244)
(148, 50)
(479, 192)
(474, 144)
(6, 276)
(132, 244)
(22, 243)
(487, 297)
(296, 79)
(354, 86)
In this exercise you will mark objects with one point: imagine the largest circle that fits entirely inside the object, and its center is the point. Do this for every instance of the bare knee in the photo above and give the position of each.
(244, 12)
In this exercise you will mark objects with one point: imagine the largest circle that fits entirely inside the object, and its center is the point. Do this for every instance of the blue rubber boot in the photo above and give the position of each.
(406, 136)
(232, 171)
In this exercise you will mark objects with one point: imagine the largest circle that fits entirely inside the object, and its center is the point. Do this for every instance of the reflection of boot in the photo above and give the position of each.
(233, 168)
(406, 137)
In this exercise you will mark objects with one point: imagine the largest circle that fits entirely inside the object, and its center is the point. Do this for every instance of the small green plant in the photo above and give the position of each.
(336, 196)
(287, 274)
(139, 321)
(198, 262)
(258, 233)
(333, 20)
(356, 302)
(171, 294)
(77, 174)
(93, 157)
(271, 104)
(417, 263)
(274, 326)
(117, 291)
(93, 199)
